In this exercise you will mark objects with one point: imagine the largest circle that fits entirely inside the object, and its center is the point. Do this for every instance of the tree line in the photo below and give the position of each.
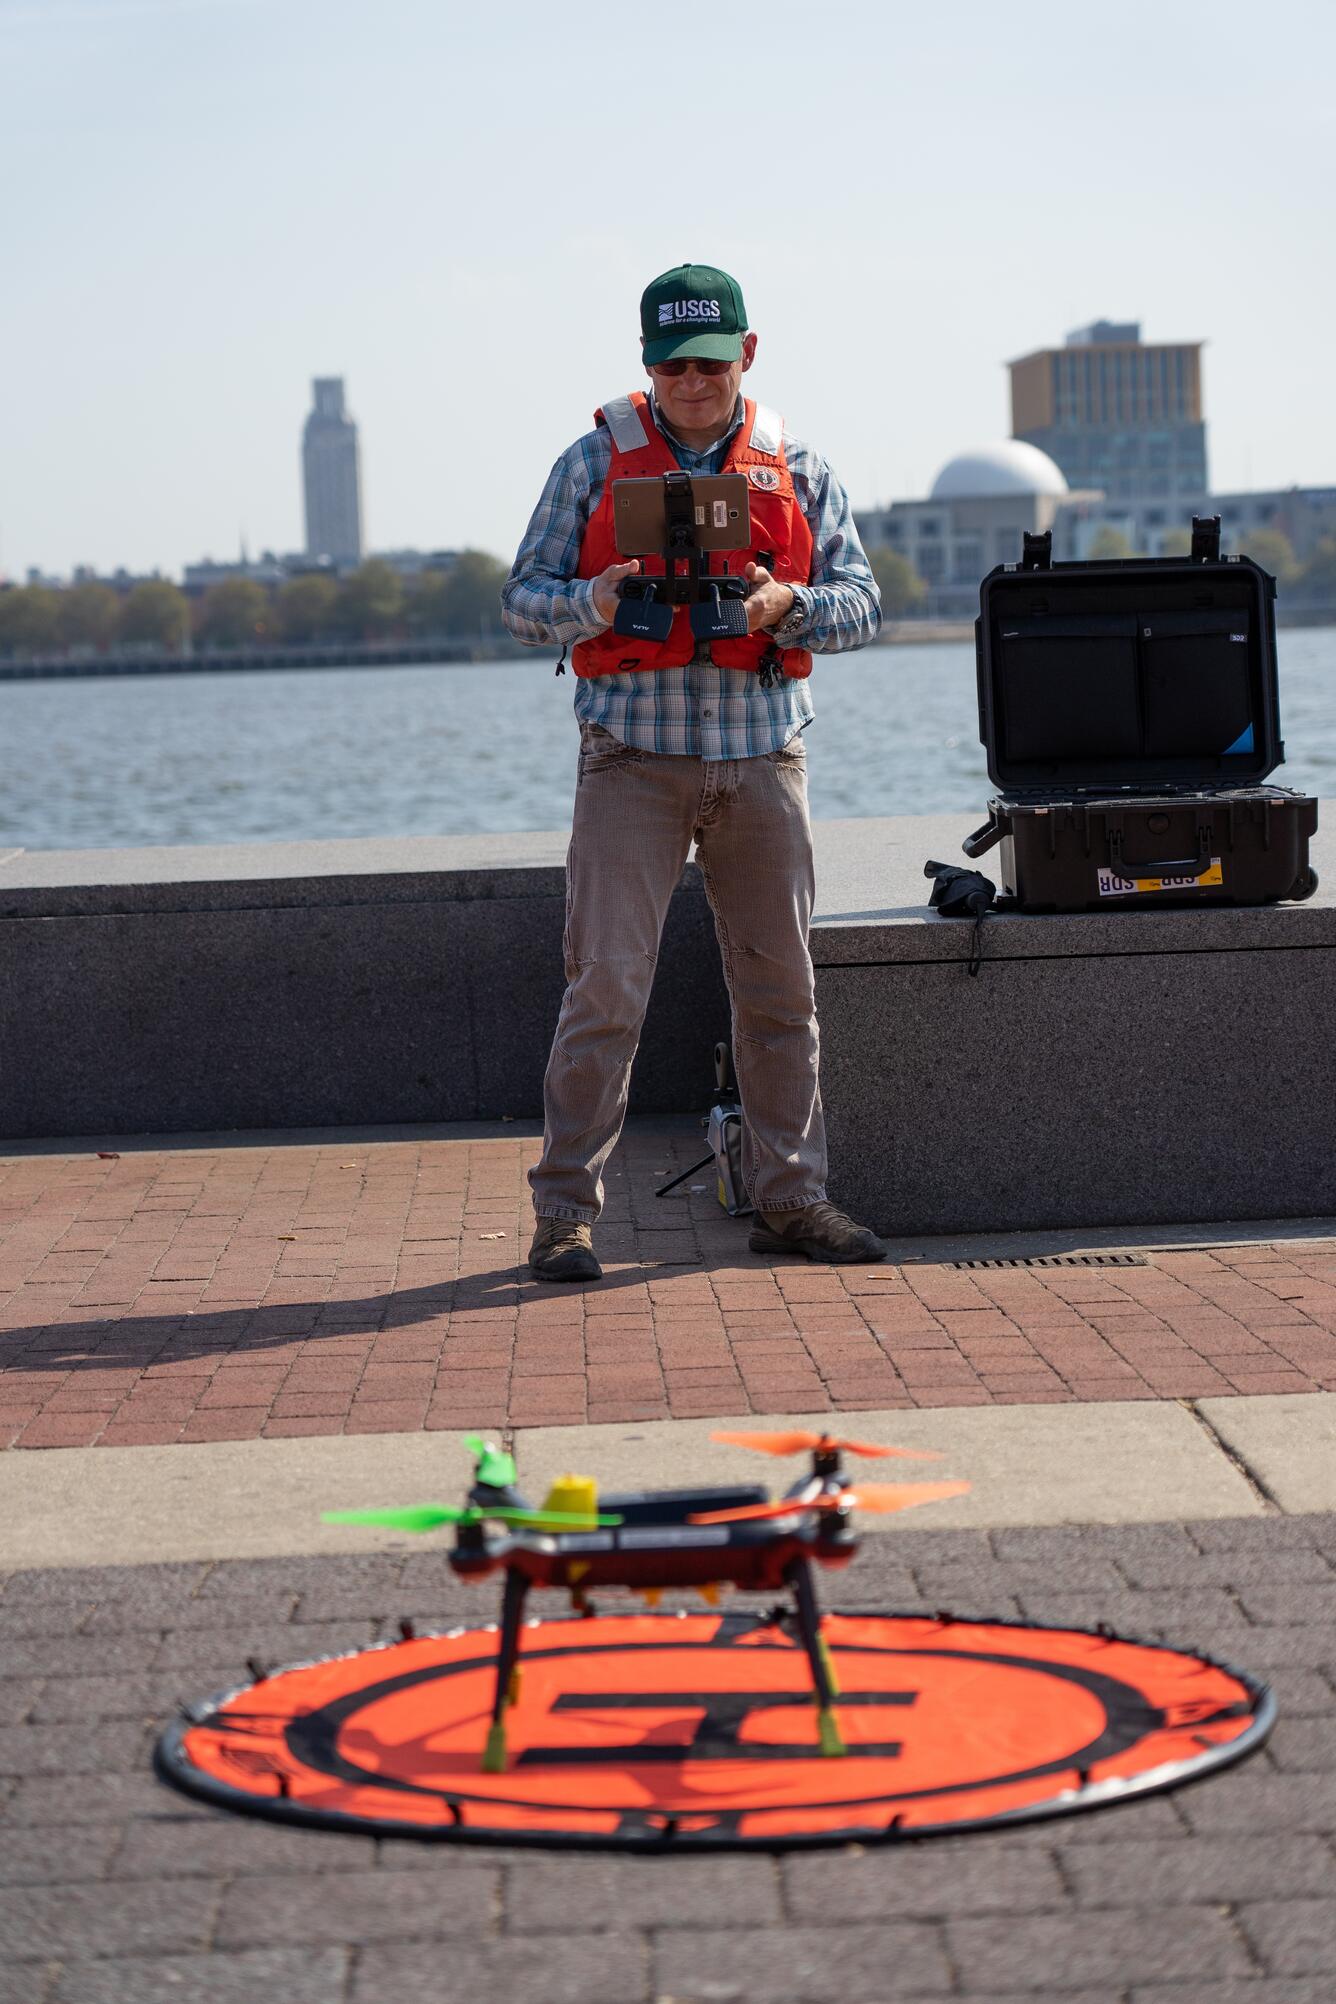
(372, 603)
(1314, 580)
(462, 603)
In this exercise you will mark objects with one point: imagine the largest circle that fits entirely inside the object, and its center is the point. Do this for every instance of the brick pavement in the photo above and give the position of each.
(289, 1288)
(115, 1890)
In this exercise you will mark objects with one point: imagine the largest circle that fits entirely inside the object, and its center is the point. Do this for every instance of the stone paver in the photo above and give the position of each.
(115, 1890)
(178, 1295)
(276, 1290)
(285, 1976)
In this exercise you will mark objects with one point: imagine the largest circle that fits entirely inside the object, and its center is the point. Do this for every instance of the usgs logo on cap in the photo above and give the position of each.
(674, 310)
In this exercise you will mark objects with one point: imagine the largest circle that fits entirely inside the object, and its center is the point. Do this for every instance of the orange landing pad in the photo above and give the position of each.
(686, 1731)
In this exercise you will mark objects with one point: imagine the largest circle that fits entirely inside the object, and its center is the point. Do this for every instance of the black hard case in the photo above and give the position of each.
(1130, 714)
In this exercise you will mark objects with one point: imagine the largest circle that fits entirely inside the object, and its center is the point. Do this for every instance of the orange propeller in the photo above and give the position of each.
(804, 1443)
(879, 1497)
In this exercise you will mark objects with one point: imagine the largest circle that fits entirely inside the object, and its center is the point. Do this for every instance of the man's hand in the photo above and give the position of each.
(768, 600)
(605, 588)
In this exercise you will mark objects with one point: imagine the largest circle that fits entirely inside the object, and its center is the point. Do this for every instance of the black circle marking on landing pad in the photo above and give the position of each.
(951, 1725)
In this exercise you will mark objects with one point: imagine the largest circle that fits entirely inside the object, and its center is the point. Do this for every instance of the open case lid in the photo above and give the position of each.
(1143, 672)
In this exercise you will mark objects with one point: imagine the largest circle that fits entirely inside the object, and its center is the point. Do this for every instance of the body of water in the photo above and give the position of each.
(482, 747)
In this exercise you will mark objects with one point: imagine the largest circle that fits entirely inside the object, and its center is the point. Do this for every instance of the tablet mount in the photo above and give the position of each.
(718, 604)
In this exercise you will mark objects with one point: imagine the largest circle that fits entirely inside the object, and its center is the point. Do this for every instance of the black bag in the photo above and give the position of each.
(1130, 714)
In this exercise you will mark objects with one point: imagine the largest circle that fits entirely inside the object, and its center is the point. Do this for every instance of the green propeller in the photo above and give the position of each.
(495, 1469)
(427, 1516)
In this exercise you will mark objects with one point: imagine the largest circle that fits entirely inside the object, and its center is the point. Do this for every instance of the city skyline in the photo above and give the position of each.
(1049, 388)
(975, 195)
(1123, 421)
(1120, 425)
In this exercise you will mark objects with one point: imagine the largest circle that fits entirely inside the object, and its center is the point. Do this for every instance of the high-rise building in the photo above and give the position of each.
(331, 477)
(1117, 413)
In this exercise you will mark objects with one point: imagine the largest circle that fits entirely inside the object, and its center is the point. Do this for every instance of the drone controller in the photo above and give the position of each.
(690, 518)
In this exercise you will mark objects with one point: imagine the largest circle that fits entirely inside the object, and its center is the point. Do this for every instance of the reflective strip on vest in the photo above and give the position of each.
(623, 421)
(767, 432)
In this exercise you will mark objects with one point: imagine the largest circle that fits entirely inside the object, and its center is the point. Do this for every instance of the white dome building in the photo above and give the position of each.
(982, 505)
(1007, 467)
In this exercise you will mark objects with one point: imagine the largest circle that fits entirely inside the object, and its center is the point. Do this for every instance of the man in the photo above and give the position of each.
(680, 741)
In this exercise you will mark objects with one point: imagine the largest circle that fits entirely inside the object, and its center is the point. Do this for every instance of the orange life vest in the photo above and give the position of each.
(778, 528)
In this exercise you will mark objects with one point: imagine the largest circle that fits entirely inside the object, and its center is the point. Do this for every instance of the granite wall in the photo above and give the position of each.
(1105, 1068)
(154, 996)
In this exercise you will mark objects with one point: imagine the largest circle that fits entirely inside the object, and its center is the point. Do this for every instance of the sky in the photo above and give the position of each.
(205, 203)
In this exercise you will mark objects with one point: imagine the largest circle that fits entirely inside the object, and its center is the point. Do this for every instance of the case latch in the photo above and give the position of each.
(1037, 551)
(1205, 539)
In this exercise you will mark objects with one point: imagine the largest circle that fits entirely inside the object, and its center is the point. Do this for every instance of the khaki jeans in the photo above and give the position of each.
(636, 815)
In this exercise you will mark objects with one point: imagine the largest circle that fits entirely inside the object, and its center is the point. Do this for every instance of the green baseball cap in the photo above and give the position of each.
(694, 309)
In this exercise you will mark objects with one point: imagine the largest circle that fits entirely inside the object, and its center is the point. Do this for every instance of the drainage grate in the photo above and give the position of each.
(1058, 1259)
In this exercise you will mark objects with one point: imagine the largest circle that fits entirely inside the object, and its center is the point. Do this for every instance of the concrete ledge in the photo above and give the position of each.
(872, 905)
(1287, 1444)
(251, 876)
(1043, 1464)
(1104, 1069)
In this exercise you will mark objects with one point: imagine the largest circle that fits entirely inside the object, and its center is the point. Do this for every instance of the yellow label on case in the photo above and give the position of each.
(1113, 885)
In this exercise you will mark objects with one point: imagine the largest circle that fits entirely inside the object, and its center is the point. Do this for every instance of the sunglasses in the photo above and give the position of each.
(706, 364)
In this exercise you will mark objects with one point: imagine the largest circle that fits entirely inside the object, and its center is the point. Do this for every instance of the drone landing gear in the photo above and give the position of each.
(507, 1672)
(799, 1576)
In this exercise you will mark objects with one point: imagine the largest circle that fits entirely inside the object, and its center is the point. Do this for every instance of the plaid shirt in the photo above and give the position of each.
(699, 710)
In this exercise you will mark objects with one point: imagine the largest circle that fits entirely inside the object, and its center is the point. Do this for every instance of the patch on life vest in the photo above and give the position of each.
(763, 476)
(701, 1730)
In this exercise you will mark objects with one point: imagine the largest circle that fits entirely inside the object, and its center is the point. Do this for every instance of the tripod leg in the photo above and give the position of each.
(693, 1170)
(507, 1675)
(799, 1576)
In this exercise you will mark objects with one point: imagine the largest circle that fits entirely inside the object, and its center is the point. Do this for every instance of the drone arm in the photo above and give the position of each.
(487, 1497)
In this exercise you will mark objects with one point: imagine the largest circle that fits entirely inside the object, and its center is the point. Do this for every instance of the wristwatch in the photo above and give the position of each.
(795, 619)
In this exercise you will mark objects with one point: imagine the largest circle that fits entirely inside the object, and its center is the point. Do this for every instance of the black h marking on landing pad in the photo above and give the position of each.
(723, 1713)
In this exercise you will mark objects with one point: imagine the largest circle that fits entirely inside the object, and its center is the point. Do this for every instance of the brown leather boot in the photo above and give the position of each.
(563, 1249)
(819, 1232)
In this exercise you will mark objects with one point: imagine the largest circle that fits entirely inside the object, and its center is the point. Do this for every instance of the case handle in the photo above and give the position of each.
(983, 838)
(1164, 866)
(1167, 866)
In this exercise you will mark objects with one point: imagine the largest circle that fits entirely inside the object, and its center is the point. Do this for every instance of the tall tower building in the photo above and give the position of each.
(1117, 413)
(331, 476)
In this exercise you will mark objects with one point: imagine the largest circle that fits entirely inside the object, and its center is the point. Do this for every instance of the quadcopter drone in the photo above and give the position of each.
(702, 1539)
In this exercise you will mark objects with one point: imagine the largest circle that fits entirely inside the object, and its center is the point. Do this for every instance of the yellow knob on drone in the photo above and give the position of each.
(574, 1496)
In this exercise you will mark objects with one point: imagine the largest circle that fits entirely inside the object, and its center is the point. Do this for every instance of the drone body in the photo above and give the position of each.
(700, 1539)
(657, 1544)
